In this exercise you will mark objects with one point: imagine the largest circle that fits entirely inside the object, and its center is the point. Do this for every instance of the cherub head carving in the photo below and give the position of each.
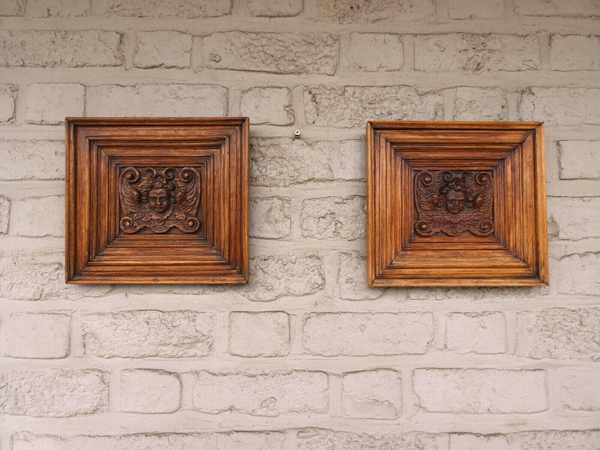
(455, 196)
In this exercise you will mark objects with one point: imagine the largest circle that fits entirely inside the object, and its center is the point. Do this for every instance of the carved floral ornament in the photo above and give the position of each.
(454, 202)
(159, 198)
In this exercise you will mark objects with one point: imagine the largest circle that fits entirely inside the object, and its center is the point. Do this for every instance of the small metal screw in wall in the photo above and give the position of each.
(297, 133)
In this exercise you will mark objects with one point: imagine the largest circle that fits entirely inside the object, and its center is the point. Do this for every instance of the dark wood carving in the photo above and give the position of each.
(456, 204)
(159, 198)
(453, 202)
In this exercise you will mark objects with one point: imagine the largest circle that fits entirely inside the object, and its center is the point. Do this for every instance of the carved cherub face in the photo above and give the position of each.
(159, 200)
(455, 201)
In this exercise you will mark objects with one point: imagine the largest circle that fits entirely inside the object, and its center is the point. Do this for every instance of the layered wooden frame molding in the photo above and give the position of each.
(456, 204)
(157, 200)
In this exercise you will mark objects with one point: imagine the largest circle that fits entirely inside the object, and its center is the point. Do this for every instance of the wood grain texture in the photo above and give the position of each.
(456, 204)
(157, 200)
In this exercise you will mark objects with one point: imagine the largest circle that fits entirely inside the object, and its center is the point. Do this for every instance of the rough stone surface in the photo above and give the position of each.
(272, 277)
(160, 441)
(555, 440)
(577, 218)
(44, 335)
(472, 9)
(272, 52)
(374, 52)
(261, 394)
(578, 274)
(12, 8)
(53, 393)
(353, 106)
(352, 278)
(270, 217)
(40, 276)
(259, 334)
(49, 104)
(581, 8)
(560, 106)
(169, 49)
(268, 106)
(281, 8)
(579, 160)
(578, 388)
(8, 94)
(372, 11)
(477, 52)
(178, 100)
(481, 391)
(559, 334)
(476, 333)
(147, 333)
(356, 334)
(87, 48)
(58, 8)
(480, 104)
(334, 218)
(180, 9)
(372, 394)
(254, 441)
(149, 391)
(4, 214)
(574, 52)
(24, 160)
(26, 213)
(478, 442)
(288, 162)
(318, 438)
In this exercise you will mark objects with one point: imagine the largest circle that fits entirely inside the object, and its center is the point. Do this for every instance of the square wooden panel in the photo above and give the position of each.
(157, 200)
(456, 204)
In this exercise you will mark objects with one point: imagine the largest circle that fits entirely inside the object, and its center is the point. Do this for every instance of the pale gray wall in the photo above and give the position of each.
(306, 355)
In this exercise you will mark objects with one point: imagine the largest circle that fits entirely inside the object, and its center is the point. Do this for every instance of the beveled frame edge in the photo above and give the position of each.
(241, 123)
(541, 226)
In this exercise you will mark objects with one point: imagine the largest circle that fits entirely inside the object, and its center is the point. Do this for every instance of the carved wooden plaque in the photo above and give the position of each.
(157, 200)
(456, 204)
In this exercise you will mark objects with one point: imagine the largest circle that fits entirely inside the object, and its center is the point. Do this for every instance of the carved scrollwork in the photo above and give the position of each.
(453, 202)
(159, 198)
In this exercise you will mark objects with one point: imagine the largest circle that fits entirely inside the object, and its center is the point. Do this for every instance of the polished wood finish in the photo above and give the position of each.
(456, 204)
(157, 200)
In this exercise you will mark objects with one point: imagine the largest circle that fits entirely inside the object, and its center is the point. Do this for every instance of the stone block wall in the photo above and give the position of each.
(305, 357)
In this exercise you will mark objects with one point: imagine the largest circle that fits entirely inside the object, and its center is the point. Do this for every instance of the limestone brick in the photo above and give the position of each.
(372, 394)
(272, 277)
(39, 216)
(559, 333)
(53, 393)
(37, 48)
(476, 333)
(149, 391)
(376, 52)
(45, 335)
(268, 106)
(270, 217)
(49, 104)
(168, 100)
(261, 394)
(169, 49)
(372, 11)
(174, 9)
(573, 52)
(25, 160)
(281, 8)
(353, 106)
(560, 106)
(579, 160)
(480, 104)
(148, 333)
(475, 9)
(477, 53)
(577, 274)
(478, 391)
(8, 94)
(57, 8)
(359, 334)
(334, 218)
(259, 334)
(283, 53)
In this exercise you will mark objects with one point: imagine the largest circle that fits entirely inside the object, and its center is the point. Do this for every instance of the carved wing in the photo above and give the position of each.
(425, 199)
(130, 196)
(188, 191)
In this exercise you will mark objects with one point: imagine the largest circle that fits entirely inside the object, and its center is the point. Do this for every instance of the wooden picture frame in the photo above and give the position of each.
(157, 200)
(456, 204)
